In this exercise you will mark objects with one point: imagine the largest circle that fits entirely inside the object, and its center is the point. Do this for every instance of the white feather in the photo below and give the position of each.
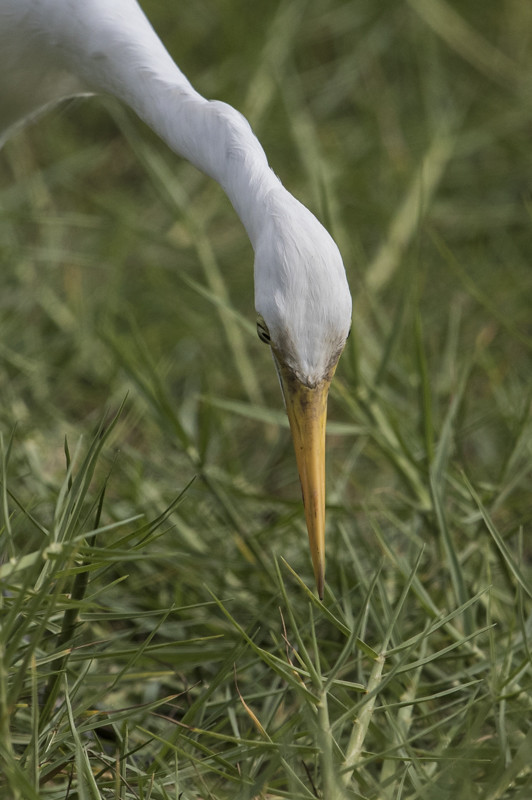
(50, 49)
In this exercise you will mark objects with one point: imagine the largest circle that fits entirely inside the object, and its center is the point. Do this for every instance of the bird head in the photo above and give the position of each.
(304, 307)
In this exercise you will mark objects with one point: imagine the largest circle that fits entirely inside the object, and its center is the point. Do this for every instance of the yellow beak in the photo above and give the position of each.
(307, 414)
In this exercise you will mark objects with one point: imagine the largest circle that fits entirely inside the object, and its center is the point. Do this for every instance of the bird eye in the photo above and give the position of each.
(262, 330)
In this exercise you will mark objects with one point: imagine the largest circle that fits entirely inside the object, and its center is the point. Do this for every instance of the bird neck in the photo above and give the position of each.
(219, 141)
(116, 51)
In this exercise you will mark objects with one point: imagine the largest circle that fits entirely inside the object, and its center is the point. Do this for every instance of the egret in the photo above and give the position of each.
(53, 49)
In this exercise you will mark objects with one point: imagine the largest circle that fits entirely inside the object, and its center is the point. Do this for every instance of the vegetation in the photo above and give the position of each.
(159, 633)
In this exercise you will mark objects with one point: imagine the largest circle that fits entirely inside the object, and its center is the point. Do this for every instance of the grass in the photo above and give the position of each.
(159, 633)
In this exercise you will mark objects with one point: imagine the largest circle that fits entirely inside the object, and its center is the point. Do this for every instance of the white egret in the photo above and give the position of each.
(52, 49)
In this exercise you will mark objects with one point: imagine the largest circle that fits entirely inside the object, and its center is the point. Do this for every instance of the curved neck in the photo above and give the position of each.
(219, 141)
(112, 48)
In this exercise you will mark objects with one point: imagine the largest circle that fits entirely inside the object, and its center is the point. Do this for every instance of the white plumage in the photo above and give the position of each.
(51, 49)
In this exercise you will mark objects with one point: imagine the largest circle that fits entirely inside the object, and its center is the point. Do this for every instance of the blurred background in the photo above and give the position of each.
(404, 126)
